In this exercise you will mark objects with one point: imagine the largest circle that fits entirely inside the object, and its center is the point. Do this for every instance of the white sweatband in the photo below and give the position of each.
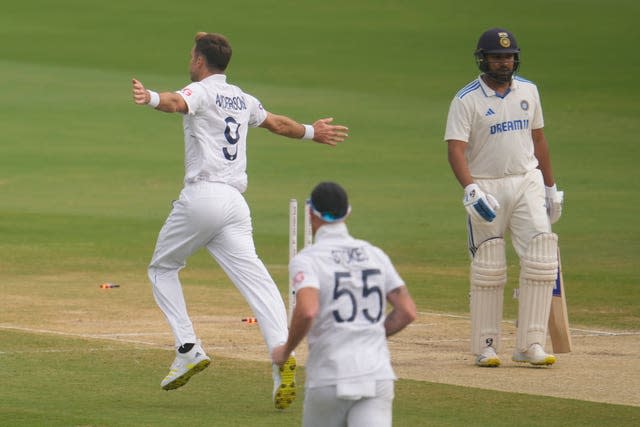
(551, 191)
(308, 132)
(154, 99)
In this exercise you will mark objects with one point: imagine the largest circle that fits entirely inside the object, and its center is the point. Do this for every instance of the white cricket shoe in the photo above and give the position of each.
(488, 358)
(284, 383)
(185, 366)
(535, 355)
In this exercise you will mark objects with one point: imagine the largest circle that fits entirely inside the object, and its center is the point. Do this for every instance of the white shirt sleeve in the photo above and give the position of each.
(303, 273)
(458, 122)
(257, 111)
(393, 279)
(195, 95)
(537, 121)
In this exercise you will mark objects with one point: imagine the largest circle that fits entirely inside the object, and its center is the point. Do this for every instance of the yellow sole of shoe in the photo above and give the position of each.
(547, 361)
(286, 393)
(491, 363)
(184, 378)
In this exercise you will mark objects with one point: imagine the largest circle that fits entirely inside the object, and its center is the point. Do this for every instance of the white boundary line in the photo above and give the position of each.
(109, 337)
(118, 337)
(106, 337)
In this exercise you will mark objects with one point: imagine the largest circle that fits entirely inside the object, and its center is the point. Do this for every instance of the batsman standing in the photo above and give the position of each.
(499, 154)
(342, 286)
(211, 211)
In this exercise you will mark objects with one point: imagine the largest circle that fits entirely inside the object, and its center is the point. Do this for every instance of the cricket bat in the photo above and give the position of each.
(558, 317)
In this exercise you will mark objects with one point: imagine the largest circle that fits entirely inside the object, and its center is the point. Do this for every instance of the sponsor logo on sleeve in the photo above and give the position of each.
(298, 279)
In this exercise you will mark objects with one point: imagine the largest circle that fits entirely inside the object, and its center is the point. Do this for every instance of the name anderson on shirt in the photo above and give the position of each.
(228, 103)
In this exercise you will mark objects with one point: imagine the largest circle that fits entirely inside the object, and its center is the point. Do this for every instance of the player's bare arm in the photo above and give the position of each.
(541, 151)
(554, 197)
(403, 312)
(323, 131)
(307, 306)
(479, 205)
(168, 102)
(458, 162)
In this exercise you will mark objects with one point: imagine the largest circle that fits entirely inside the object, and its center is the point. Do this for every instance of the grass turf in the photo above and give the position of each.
(86, 177)
(95, 382)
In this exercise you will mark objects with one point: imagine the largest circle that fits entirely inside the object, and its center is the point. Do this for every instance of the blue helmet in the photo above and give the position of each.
(493, 41)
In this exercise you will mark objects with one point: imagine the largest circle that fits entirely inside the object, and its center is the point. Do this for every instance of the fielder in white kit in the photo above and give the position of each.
(500, 156)
(211, 211)
(342, 285)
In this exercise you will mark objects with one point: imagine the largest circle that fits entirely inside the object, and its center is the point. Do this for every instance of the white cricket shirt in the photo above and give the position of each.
(497, 129)
(347, 342)
(215, 131)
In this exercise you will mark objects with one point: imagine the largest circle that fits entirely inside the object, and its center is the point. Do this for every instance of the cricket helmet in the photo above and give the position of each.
(494, 41)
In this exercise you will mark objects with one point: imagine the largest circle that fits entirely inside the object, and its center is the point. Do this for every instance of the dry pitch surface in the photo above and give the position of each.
(603, 366)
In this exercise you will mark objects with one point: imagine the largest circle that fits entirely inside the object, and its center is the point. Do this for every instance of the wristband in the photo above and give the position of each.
(550, 191)
(308, 132)
(154, 99)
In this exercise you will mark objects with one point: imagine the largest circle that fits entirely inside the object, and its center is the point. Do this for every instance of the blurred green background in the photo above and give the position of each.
(86, 176)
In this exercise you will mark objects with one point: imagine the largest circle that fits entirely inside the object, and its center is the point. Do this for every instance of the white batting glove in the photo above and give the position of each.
(553, 200)
(480, 206)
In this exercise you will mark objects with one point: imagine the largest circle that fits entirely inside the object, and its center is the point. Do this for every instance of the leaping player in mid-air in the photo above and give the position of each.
(211, 211)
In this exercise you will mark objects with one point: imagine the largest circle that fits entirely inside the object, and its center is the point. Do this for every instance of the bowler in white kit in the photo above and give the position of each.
(211, 211)
(342, 286)
(499, 154)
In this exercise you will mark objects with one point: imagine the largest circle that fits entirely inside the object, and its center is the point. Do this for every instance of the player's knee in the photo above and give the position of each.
(489, 264)
(152, 273)
(540, 262)
(157, 273)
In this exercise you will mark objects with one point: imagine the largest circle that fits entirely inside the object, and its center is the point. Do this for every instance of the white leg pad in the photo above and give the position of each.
(488, 277)
(538, 271)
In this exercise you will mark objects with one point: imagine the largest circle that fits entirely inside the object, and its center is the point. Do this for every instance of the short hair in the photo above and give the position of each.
(215, 48)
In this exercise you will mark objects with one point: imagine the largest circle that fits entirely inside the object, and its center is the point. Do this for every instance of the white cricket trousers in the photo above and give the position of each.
(322, 408)
(215, 216)
(522, 211)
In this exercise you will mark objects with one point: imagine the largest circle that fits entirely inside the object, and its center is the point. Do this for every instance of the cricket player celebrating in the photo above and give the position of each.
(342, 285)
(499, 155)
(211, 211)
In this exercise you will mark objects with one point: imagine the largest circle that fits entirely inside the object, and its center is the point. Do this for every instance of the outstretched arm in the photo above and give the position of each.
(323, 131)
(169, 102)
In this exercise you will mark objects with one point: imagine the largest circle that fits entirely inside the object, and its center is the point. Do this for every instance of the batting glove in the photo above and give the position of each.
(480, 206)
(553, 200)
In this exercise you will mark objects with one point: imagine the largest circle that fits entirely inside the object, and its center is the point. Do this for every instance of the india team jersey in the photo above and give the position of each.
(347, 342)
(215, 131)
(497, 129)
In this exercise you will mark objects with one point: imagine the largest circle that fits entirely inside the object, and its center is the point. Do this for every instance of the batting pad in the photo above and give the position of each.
(488, 277)
(538, 271)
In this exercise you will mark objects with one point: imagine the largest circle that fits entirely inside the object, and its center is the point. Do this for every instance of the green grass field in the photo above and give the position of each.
(86, 178)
